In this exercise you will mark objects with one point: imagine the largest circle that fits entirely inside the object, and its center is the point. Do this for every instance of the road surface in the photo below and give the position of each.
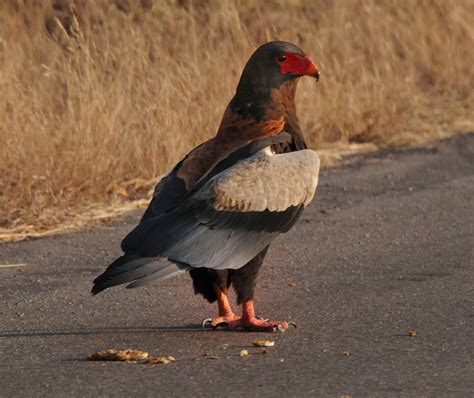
(386, 248)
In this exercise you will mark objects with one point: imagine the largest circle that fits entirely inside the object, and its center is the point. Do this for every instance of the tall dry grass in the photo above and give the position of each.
(99, 98)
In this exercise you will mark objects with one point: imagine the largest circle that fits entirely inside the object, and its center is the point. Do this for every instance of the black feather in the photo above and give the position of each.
(205, 280)
(244, 280)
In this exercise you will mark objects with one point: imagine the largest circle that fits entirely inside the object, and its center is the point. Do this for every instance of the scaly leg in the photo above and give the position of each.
(226, 314)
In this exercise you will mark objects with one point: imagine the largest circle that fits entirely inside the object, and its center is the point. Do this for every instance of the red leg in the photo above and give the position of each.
(250, 322)
(226, 314)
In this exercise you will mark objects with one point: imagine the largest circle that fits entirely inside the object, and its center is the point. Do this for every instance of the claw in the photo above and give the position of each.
(223, 325)
(206, 323)
(279, 328)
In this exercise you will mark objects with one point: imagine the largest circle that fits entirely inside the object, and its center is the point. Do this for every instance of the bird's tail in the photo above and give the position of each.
(137, 270)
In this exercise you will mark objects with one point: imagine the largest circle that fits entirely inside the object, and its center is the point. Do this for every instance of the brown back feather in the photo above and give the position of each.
(236, 131)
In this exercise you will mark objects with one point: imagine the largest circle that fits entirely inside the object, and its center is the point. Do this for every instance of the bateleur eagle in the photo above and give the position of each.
(216, 212)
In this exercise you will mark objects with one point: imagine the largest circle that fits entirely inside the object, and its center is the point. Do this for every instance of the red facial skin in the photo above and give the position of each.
(302, 66)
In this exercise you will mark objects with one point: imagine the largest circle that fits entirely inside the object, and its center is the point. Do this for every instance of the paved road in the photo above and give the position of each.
(386, 249)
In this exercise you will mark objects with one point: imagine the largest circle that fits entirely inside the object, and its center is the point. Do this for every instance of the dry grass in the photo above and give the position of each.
(100, 98)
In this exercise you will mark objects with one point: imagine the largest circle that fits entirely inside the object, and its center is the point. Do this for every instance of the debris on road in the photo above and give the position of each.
(205, 356)
(263, 343)
(347, 353)
(244, 353)
(129, 355)
(12, 265)
(412, 333)
(161, 360)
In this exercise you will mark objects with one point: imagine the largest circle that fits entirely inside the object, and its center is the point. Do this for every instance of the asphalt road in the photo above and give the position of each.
(386, 248)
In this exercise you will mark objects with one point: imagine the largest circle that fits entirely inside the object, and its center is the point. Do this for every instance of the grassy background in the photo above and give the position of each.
(98, 98)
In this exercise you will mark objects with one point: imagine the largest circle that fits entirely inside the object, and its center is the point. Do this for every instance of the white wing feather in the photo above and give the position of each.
(265, 182)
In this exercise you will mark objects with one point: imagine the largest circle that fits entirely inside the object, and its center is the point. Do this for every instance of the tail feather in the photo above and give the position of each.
(131, 268)
(165, 273)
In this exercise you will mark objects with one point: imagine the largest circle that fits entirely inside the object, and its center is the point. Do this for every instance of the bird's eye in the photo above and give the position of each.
(280, 58)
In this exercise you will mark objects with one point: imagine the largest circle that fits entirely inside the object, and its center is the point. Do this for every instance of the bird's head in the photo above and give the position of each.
(276, 62)
(271, 66)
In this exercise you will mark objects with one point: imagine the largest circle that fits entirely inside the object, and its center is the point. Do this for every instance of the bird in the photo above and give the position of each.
(215, 214)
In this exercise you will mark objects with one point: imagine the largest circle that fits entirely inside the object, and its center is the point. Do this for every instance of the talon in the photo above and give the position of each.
(206, 323)
(279, 328)
(223, 325)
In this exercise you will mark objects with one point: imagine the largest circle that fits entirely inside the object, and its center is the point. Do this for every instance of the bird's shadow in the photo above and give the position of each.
(99, 331)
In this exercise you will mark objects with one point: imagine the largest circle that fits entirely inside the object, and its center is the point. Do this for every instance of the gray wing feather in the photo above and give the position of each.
(168, 272)
(219, 248)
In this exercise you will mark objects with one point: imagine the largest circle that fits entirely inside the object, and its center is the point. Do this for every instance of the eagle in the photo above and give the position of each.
(215, 214)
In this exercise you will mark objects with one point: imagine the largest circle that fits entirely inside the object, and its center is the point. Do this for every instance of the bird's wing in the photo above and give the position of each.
(264, 182)
(238, 212)
(170, 190)
(225, 222)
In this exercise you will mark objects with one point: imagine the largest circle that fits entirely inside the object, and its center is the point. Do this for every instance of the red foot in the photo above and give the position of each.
(257, 325)
(219, 320)
(248, 321)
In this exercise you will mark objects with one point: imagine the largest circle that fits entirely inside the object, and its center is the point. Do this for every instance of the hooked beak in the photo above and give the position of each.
(299, 66)
(311, 69)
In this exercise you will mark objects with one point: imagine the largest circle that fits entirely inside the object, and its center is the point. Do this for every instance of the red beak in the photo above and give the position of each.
(303, 66)
(311, 68)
